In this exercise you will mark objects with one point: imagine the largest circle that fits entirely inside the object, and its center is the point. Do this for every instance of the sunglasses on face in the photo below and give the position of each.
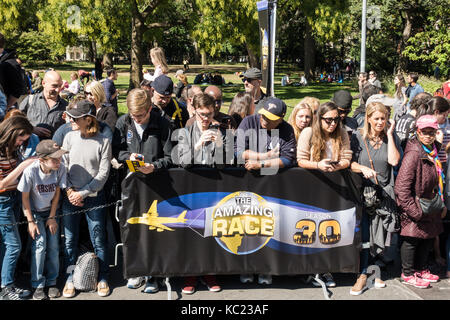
(343, 111)
(430, 133)
(247, 79)
(88, 93)
(331, 120)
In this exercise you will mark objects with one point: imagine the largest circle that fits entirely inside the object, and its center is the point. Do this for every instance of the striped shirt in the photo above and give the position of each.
(7, 165)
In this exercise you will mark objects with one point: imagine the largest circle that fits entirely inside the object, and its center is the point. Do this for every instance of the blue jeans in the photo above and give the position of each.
(365, 237)
(44, 253)
(96, 220)
(10, 239)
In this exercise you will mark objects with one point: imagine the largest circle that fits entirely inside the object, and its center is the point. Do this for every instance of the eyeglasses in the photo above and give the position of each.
(138, 116)
(331, 120)
(88, 93)
(205, 115)
(247, 79)
(430, 133)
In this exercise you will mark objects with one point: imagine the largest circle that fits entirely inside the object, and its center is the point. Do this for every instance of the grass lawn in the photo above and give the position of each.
(290, 95)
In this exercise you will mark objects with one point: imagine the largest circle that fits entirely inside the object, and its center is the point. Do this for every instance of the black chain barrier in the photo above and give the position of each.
(117, 203)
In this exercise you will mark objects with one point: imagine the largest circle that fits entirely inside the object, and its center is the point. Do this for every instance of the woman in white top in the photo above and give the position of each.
(159, 61)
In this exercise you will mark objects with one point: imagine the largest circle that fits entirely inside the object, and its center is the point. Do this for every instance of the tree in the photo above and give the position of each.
(224, 22)
(103, 23)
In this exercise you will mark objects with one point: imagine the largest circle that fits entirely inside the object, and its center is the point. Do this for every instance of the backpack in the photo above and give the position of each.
(85, 272)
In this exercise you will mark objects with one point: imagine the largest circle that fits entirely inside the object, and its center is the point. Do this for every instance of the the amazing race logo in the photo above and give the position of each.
(243, 222)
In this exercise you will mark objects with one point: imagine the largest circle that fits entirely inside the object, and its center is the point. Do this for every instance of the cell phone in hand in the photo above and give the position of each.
(333, 163)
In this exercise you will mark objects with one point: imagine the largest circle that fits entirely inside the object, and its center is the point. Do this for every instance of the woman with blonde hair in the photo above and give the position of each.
(88, 166)
(375, 153)
(300, 118)
(158, 59)
(324, 146)
(95, 92)
(314, 103)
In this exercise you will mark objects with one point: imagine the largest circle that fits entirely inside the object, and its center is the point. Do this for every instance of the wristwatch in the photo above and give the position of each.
(262, 164)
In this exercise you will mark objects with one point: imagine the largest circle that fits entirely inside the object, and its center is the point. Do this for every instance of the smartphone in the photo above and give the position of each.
(333, 163)
(139, 157)
(214, 126)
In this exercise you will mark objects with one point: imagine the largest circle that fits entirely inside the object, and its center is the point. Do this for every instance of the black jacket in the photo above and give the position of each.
(176, 113)
(155, 146)
(11, 75)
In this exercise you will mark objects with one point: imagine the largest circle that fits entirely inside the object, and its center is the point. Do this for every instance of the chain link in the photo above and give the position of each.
(117, 203)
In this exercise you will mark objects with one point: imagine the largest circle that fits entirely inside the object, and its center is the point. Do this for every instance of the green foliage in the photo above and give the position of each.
(226, 22)
(34, 46)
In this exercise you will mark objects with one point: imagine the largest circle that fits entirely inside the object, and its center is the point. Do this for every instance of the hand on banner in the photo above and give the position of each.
(252, 165)
(274, 153)
(147, 169)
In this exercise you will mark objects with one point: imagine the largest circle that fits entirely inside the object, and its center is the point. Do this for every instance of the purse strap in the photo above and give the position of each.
(370, 160)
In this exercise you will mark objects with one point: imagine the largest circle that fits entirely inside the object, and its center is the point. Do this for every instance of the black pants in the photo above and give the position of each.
(414, 254)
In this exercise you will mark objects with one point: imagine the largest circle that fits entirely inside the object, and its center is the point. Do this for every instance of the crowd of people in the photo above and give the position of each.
(59, 157)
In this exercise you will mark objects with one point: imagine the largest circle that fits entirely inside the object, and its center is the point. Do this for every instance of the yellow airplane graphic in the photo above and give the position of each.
(152, 219)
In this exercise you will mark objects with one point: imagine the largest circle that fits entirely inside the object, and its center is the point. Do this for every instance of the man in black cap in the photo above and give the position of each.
(343, 99)
(265, 140)
(252, 79)
(162, 98)
(279, 151)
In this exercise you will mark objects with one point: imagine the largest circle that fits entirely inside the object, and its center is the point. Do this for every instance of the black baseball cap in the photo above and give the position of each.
(49, 148)
(163, 85)
(343, 99)
(82, 108)
(252, 73)
(273, 109)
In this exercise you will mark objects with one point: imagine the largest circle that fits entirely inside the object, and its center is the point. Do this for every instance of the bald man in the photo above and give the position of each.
(226, 121)
(45, 109)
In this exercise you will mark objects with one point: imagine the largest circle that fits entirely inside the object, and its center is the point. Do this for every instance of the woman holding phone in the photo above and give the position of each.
(324, 146)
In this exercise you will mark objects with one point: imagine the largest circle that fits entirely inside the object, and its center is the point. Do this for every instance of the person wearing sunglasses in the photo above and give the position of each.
(420, 177)
(343, 99)
(325, 146)
(252, 79)
(376, 151)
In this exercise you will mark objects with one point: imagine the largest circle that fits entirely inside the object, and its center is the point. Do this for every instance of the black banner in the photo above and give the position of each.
(205, 221)
(264, 34)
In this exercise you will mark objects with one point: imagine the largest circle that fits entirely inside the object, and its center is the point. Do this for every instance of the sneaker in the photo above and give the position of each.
(69, 290)
(151, 286)
(53, 292)
(211, 283)
(189, 285)
(329, 281)
(246, 278)
(103, 288)
(379, 283)
(39, 294)
(415, 281)
(359, 285)
(14, 293)
(134, 283)
(427, 276)
(265, 279)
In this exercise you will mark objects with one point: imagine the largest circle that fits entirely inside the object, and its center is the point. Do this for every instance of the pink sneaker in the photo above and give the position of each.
(427, 276)
(415, 281)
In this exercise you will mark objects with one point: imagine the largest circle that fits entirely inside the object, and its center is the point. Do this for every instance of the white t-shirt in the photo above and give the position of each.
(74, 87)
(41, 186)
(140, 128)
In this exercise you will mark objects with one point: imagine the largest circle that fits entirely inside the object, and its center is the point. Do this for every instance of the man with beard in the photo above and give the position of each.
(162, 88)
(45, 109)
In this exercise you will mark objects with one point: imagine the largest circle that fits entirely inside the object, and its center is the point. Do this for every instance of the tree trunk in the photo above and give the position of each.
(252, 58)
(107, 61)
(309, 52)
(137, 31)
(402, 61)
(204, 61)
